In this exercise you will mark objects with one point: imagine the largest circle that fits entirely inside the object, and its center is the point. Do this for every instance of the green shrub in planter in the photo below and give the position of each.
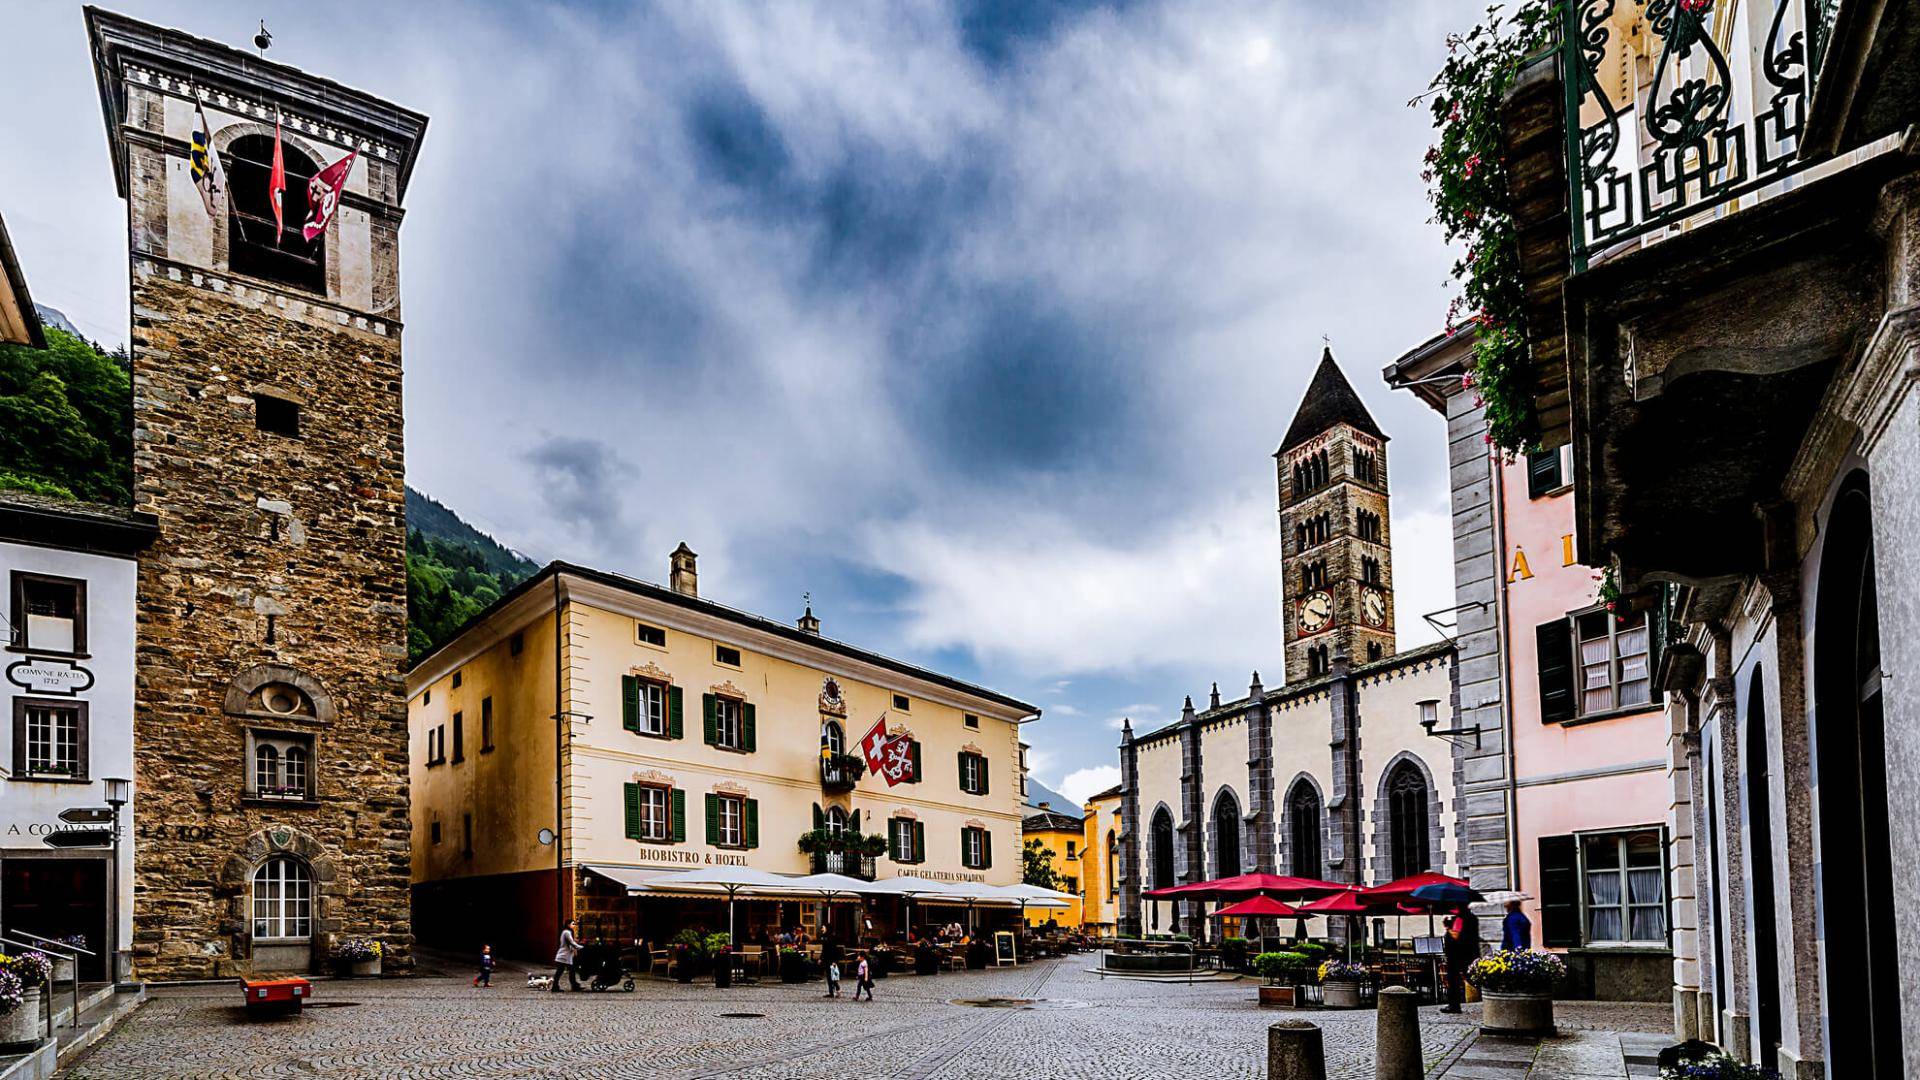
(794, 967)
(1314, 951)
(1282, 967)
(1233, 953)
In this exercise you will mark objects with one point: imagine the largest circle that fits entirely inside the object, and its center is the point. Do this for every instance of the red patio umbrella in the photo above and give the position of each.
(1256, 908)
(1345, 902)
(1245, 885)
(1401, 891)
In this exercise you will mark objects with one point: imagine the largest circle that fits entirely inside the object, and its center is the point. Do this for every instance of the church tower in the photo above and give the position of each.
(1336, 566)
(270, 738)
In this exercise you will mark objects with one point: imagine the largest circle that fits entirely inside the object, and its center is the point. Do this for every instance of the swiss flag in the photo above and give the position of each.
(874, 745)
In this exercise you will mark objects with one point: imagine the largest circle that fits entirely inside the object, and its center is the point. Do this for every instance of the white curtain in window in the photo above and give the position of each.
(1603, 907)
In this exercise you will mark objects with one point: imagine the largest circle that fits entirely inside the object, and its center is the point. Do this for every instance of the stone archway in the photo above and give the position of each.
(234, 886)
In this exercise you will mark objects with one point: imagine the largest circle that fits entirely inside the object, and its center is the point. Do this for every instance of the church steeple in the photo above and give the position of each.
(1336, 559)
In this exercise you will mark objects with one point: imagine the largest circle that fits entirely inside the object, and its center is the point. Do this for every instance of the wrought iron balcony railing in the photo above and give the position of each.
(852, 864)
(1703, 129)
(839, 772)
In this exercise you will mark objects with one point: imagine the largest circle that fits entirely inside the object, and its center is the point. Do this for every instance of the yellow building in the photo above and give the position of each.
(1100, 861)
(1062, 836)
(691, 735)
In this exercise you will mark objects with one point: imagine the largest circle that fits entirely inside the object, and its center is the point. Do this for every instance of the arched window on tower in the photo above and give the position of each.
(1407, 820)
(1369, 569)
(254, 246)
(1303, 821)
(1317, 662)
(1366, 523)
(1363, 466)
(1162, 849)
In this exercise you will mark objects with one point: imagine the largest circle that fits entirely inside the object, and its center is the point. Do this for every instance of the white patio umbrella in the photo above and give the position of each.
(1036, 895)
(829, 886)
(908, 887)
(732, 880)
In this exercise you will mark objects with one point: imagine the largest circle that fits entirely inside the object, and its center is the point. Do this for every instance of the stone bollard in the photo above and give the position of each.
(1294, 1051)
(1396, 1041)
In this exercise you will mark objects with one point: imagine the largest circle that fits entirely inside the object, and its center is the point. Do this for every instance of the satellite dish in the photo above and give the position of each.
(546, 836)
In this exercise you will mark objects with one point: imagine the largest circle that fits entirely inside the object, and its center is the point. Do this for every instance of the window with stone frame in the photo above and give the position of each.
(280, 765)
(257, 245)
(1623, 888)
(283, 900)
(50, 739)
(49, 614)
(1366, 525)
(1410, 848)
(1303, 826)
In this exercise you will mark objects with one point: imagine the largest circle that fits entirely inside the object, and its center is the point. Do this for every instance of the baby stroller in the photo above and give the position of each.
(600, 963)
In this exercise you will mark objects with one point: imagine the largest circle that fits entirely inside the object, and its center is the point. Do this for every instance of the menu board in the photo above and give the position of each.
(1003, 947)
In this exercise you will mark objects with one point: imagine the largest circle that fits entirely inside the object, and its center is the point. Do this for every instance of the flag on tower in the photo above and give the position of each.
(323, 195)
(208, 177)
(277, 182)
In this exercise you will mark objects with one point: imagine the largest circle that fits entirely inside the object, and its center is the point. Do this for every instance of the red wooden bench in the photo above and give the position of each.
(274, 997)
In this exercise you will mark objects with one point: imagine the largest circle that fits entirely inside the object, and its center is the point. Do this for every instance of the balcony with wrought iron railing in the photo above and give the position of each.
(850, 863)
(840, 772)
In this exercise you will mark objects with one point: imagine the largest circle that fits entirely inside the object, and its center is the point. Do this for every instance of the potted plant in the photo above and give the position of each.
(1516, 987)
(793, 966)
(1234, 953)
(1715, 1066)
(1340, 984)
(19, 1015)
(1283, 972)
(358, 957)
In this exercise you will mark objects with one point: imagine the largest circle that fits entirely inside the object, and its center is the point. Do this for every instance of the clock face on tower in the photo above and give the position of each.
(1316, 612)
(1373, 607)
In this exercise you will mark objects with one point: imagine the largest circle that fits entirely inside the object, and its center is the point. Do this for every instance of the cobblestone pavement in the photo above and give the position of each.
(1575, 1053)
(1078, 1027)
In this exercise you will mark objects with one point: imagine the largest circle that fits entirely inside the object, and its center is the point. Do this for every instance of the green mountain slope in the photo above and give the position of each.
(66, 420)
(454, 571)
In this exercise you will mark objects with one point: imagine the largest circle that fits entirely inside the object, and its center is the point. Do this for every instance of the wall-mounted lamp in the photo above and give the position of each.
(1430, 717)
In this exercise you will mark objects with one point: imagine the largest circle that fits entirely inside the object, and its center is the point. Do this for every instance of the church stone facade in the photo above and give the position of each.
(1332, 774)
(270, 720)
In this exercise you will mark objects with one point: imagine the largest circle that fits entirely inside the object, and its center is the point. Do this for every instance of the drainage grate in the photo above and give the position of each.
(1027, 1004)
(743, 1016)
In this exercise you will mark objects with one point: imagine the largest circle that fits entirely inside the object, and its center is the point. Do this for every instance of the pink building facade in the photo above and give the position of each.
(1562, 765)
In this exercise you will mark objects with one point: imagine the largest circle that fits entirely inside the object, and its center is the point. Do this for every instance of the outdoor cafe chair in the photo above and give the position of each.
(661, 963)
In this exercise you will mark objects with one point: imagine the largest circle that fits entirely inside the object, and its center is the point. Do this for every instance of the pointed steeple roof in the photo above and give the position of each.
(1330, 400)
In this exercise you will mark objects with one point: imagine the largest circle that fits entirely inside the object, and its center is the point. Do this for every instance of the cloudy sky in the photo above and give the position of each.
(979, 321)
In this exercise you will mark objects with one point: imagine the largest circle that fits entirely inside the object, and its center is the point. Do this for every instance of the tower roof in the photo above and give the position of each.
(1330, 400)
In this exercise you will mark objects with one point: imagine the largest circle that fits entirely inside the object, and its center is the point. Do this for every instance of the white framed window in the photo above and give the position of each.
(282, 766)
(833, 737)
(1624, 888)
(656, 813)
(903, 838)
(727, 728)
(50, 739)
(282, 900)
(973, 848)
(1614, 669)
(732, 820)
(653, 708)
(973, 773)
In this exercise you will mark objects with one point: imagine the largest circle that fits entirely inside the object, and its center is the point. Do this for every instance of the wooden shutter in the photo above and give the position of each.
(674, 709)
(913, 747)
(1554, 642)
(966, 855)
(633, 811)
(819, 817)
(630, 702)
(1659, 630)
(747, 741)
(963, 771)
(986, 850)
(1559, 892)
(980, 771)
(1543, 472)
(750, 823)
(893, 843)
(679, 816)
(853, 823)
(713, 818)
(709, 729)
(919, 841)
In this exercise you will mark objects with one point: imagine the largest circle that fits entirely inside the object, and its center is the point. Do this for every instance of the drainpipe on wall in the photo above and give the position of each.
(559, 781)
(1502, 626)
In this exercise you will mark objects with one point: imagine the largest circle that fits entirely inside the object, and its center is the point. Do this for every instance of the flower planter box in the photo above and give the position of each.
(63, 968)
(722, 972)
(1277, 997)
(363, 969)
(21, 1028)
(1340, 993)
(1516, 1014)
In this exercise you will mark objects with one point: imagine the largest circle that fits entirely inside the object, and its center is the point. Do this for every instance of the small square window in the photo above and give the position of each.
(901, 703)
(436, 832)
(727, 655)
(456, 680)
(973, 721)
(651, 635)
(50, 614)
(426, 698)
(276, 416)
(516, 643)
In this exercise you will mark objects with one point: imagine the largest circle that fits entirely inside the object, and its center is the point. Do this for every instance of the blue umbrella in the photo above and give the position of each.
(1446, 892)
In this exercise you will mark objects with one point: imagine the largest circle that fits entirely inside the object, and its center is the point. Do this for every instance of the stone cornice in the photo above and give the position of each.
(288, 302)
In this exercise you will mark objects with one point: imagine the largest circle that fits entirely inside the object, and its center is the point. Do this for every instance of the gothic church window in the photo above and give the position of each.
(1363, 466)
(1314, 576)
(1370, 570)
(1366, 524)
(1317, 663)
(1226, 836)
(1407, 821)
(256, 246)
(1162, 849)
(1303, 818)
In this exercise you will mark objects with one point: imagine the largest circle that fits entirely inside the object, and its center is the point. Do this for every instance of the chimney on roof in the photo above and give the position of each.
(682, 577)
(807, 623)
(1045, 805)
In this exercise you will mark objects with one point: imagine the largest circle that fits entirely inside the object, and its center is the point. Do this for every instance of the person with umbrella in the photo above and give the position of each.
(1461, 948)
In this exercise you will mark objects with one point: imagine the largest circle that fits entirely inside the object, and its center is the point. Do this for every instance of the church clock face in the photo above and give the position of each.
(1316, 612)
(1373, 607)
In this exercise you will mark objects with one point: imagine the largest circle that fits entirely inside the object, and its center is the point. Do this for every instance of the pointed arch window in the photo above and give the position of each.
(1226, 836)
(1407, 795)
(1162, 837)
(1303, 821)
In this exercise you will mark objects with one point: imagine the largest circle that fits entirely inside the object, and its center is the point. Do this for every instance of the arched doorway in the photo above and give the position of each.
(1861, 981)
(1759, 800)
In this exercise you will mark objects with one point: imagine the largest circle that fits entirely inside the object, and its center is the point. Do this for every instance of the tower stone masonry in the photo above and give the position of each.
(1335, 530)
(270, 723)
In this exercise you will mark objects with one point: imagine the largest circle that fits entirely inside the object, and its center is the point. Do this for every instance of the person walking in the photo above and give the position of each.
(564, 956)
(864, 979)
(485, 978)
(833, 978)
(1516, 930)
(1461, 948)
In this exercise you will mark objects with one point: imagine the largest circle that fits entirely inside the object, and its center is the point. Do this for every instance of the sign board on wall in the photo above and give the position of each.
(41, 675)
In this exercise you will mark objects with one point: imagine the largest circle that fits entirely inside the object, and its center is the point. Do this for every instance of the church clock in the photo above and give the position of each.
(1373, 607)
(1316, 612)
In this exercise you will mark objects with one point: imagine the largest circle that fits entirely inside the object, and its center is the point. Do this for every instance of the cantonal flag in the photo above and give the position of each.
(277, 183)
(323, 195)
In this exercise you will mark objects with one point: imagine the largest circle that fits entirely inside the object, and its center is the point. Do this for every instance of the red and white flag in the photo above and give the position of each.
(887, 756)
(323, 195)
(277, 182)
(873, 745)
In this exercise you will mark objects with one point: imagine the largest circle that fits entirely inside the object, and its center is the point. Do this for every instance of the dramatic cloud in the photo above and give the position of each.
(1081, 783)
(978, 321)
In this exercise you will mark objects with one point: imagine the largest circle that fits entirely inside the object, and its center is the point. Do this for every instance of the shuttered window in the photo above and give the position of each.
(728, 723)
(906, 840)
(976, 848)
(973, 773)
(655, 814)
(733, 821)
(1545, 473)
(1553, 643)
(1559, 892)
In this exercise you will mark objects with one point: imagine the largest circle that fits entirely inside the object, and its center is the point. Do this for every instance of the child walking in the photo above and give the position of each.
(864, 976)
(485, 978)
(833, 978)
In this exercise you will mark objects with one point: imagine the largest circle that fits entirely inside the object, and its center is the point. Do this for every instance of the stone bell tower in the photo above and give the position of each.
(270, 738)
(1336, 555)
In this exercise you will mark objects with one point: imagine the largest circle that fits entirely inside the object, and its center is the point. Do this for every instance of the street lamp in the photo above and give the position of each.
(119, 793)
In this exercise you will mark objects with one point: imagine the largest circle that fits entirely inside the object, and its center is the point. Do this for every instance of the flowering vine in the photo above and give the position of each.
(1466, 175)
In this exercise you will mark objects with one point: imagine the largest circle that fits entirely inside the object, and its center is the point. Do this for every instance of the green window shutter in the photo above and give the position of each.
(1553, 642)
(914, 747)
(819, 817)
(1559, 892)
(853, 823)
(674, 709)
(630, 702)
(747, 741)
(1543, 472)
(981, 772)
(751, 823)
(709, 731)
(893, 844)
(679, 816)
(919, 841)
(963, 772)
(633, 811)
(966, 857)
(986, 850)
(713, 818)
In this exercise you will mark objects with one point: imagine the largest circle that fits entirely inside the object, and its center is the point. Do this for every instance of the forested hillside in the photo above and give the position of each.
(453, 572)
(66, 420)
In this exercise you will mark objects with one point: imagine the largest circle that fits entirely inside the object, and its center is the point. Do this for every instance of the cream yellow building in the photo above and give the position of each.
(1100, 861)
(1063, 836)
(690, 735)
